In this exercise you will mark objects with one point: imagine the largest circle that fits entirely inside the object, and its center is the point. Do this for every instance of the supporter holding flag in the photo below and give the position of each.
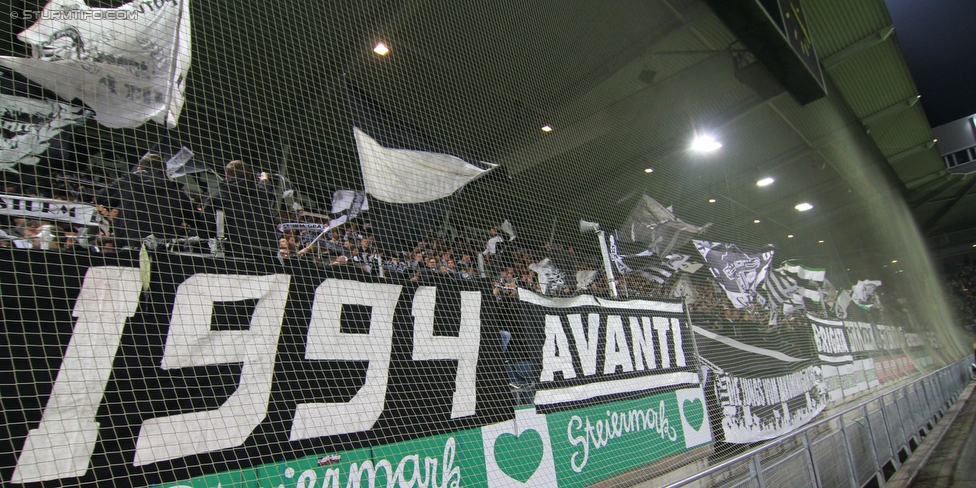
(248, 213)
(147, 203)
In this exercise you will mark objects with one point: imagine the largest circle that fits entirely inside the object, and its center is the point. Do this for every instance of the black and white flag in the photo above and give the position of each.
(128, 64)
(351, 200)
(29, 125)
(863, 293)
(551, 278)
(652, 228)
(809, 281)
(782, 292)
(738, 271)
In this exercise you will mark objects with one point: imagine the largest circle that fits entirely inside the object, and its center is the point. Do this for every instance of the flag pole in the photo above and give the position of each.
(612, 283)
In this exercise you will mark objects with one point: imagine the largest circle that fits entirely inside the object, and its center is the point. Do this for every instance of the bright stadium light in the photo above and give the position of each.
(712, 200)
(649, 170)
(803, 207)
(381, 49)
(765, 181)
(546, 128)
(756, 221)
(705, 143)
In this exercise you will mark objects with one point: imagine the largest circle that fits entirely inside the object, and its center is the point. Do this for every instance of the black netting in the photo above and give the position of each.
(289, 243)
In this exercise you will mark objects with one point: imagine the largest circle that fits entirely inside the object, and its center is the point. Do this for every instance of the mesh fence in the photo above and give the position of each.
(285, 243)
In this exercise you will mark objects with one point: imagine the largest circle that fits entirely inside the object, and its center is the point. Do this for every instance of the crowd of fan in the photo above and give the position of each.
(960, 288)
(255, 214)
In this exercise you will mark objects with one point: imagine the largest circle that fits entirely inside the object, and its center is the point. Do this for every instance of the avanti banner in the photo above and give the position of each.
(594, 348)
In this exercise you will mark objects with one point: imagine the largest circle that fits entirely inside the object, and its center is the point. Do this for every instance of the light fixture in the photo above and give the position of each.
(820, 242)
(893, 261)
(803, 207)
(765, 181)
(546, 128)
(705, 144)
(381, 49)
(649, 170)
(789, 236)
(755, 221)
(712, 200)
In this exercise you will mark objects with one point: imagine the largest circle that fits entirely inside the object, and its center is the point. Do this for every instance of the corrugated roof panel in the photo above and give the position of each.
(815, 120)
(836, 24)
(874, 79)
(902, 131)
(918, 165)
(714, 32)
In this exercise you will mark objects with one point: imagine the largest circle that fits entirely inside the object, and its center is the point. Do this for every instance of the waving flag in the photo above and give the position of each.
(863, 292)
(128, 64)
(652, 228)
(409, 179)
(738, 270)
(28, 127)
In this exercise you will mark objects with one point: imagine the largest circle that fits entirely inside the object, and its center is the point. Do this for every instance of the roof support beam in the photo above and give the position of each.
(944, 209)
(911, 151)
(921, 200)
(892, 110)
(871, 40)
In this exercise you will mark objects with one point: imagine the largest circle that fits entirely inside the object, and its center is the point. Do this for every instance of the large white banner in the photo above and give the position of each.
(128, 64)
(28, 126)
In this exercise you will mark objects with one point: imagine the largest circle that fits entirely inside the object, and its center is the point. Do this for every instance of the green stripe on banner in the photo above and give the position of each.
(566, 449)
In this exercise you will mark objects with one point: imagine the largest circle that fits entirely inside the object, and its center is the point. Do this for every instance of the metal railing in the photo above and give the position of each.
(869, 440)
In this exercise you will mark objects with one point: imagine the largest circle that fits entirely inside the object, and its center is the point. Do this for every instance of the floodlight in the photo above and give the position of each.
(705, 144)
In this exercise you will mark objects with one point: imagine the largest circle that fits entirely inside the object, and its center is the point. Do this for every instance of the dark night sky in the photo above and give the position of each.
(938, 39)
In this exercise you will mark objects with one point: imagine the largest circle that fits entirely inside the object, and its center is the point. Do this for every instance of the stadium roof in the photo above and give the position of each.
(579, 69)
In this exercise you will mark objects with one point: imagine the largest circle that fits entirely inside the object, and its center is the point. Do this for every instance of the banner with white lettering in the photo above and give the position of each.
(767, 380)
(29, 125)
(129, 64)
(111, 383)
(757, 409)
(46, 209)
(588, 349)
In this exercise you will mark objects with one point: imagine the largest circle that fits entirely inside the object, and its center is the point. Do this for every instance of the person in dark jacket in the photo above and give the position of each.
(248, 214)
(147, 203)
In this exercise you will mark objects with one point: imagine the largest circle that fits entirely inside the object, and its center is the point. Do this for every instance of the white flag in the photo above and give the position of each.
(397, 175)
(128, 64)
(28, 126)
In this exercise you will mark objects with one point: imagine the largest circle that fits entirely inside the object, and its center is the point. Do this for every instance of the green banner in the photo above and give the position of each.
(566, 449)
